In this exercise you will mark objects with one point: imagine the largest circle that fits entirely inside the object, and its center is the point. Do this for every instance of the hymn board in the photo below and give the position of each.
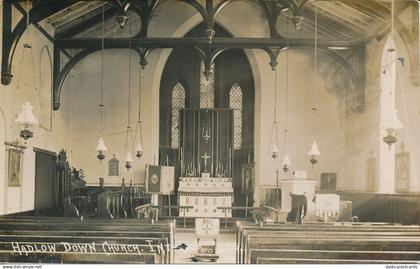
(206, 161)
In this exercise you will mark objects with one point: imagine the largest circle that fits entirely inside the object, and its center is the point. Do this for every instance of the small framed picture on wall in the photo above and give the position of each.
(14, 167)
(248, 180)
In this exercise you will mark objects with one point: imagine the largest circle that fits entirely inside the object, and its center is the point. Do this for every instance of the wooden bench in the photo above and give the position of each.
(328, 241)
(321, 243)
(325, 261)
(242, 226)
(339, 249)
(68, 240)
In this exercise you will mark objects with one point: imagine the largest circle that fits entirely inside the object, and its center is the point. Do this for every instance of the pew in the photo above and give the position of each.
(69, 240)
(327, 243)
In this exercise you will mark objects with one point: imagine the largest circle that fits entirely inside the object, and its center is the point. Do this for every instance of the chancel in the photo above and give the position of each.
(210, 131)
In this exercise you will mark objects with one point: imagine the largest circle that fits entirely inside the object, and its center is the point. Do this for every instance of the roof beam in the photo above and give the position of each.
(334, 32)
(338, 14)
(82, 26)
(78, 43)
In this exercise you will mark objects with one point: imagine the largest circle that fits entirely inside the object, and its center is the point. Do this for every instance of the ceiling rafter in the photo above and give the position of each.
(345, 29)
(71, 13)
(337, 14)
(324, 26)
(85, 22)
(11, 36)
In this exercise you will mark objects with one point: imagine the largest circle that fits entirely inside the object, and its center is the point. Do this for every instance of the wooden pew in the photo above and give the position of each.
(109, 241)
(241, 226)
(387, 248)
(328, 241)
(319, 255)
(99, 236)
(321, 242)
(326, 261)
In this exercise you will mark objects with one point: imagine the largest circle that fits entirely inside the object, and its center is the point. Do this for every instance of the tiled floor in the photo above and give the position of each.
(225, 247)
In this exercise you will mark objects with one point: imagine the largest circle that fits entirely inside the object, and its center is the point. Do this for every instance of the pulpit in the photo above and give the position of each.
(297, 186)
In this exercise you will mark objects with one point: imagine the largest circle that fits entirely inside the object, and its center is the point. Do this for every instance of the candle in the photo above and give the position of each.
(230, 160)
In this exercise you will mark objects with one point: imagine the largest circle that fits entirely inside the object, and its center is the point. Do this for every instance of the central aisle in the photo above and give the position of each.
(225, 247)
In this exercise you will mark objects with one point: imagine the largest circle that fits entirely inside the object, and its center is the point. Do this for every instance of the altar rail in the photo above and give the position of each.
(258, 213)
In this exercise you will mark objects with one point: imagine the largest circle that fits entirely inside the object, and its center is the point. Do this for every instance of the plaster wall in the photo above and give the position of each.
(31, 82)
(84, 84)
(363, 133)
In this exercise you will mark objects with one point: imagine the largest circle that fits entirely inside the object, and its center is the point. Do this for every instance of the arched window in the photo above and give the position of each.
(206, 88)
(178, 103)
(235, 103)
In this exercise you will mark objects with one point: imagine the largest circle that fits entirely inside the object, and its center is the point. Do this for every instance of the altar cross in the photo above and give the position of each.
(206, 228)
(205, 157)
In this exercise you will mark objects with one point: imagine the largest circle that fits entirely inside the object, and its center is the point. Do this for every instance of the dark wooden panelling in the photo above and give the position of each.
(376, 207)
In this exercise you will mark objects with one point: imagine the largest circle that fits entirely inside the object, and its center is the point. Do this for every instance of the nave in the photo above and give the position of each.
(210, 131)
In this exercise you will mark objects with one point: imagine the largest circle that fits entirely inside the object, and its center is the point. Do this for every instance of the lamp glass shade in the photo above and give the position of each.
(391, 122)
(274, 150)
(314, 150)
(139, 148)
(101, 145)
(286, 161)
(128, 159)
(26, 117)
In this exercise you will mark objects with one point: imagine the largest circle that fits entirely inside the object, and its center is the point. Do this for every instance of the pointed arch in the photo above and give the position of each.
(178, 103)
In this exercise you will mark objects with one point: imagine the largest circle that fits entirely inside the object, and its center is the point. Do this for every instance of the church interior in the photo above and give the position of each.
(210, 131)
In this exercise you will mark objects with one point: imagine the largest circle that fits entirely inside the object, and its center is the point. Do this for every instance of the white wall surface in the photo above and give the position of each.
(31, 82)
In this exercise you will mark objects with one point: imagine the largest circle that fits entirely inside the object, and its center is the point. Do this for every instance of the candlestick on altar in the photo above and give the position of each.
(199, 167)
(230, 161)
(182, 162)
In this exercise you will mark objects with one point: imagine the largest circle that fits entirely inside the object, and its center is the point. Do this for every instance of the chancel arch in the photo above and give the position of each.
(219, 92)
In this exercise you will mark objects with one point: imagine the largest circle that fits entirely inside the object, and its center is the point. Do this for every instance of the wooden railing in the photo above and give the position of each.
(239, 208)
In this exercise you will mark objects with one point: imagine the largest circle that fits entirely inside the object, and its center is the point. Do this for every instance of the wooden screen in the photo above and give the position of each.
(206, 142)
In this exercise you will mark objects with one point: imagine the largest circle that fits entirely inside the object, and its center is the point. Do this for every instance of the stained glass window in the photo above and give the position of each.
(235, 103)
(178, 102)
(206, 87)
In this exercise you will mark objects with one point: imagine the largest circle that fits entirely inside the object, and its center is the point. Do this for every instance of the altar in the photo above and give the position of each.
(205, 195)
(205, 181)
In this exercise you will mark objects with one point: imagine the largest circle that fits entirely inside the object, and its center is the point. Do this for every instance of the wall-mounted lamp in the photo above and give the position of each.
(26, 120)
